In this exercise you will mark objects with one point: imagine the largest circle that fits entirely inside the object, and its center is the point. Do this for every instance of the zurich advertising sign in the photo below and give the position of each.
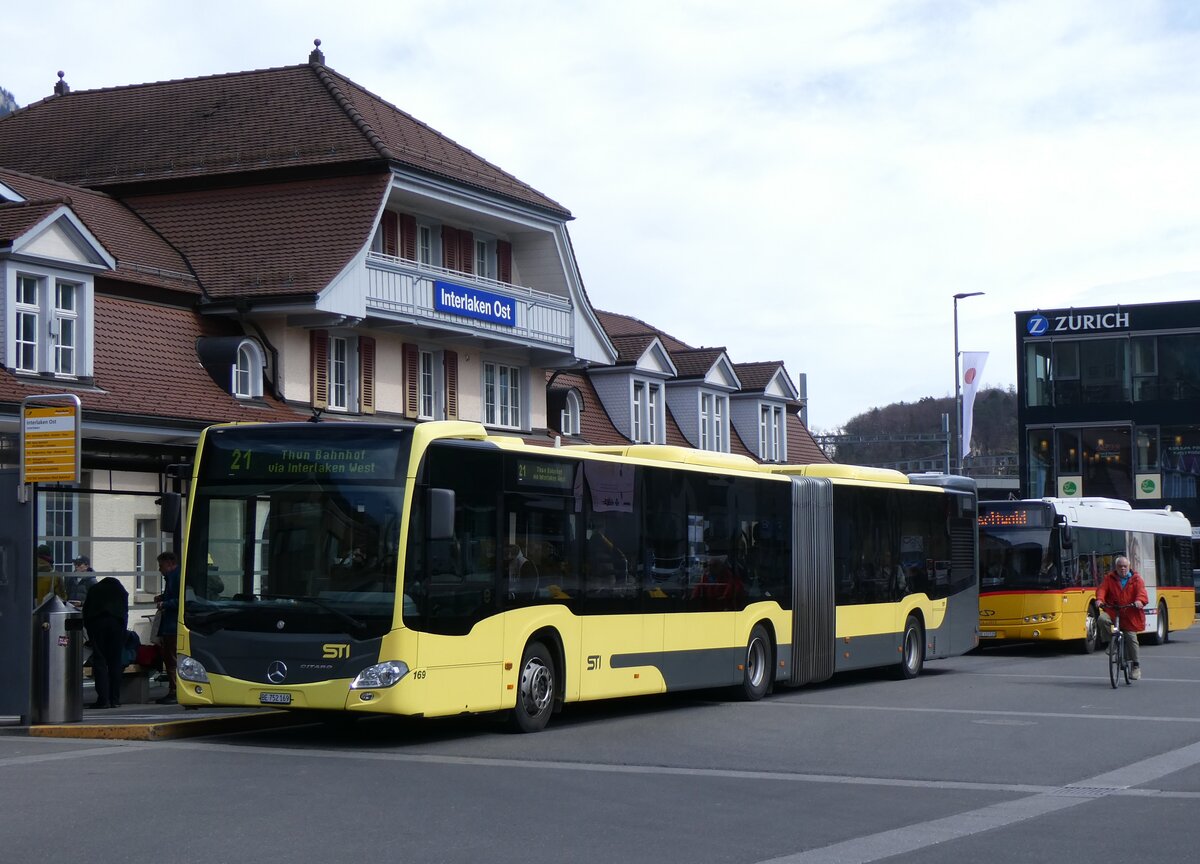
(1077, 322)
(1038, 326)
(474, 303)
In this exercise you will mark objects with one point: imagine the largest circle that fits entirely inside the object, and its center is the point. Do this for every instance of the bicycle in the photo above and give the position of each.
(1119, 663)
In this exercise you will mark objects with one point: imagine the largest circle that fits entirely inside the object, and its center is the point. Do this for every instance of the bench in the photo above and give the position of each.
(135, 683)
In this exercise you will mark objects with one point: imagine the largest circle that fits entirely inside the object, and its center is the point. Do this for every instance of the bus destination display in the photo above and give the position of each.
(1014, 517)
(235, 455)
(540, 474)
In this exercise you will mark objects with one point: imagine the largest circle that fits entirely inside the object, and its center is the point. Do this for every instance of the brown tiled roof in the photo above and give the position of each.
(737, 445)
(412, 143)
(273, 239)
(615, 325)
(631, 348)
(801, 448)
(17, 217)
(695, 362)
(146, 365)
(756, 376)
(142, 255)
(291, 117)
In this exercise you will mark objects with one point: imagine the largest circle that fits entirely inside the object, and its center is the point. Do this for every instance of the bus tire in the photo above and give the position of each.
(1162, 632)
(758, 665)
(912, 649)
(535, 690)
(1091, 630)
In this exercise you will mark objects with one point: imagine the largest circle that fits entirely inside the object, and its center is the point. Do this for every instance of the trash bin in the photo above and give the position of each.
(57, 663)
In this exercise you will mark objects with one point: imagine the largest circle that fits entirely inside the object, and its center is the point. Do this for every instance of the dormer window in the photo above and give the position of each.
(28, 315)
(235, 363)
(248, 371)
(48, 316)
(714, 414)
(64, 327)
(646, 419)
(569, 418)
(772, 434)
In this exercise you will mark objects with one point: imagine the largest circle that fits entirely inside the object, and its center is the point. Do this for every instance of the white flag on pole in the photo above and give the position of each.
(972, 371)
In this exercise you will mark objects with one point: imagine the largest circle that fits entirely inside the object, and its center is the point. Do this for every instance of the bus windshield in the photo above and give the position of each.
(301, 538)
(1014, 559)
(1017, 548)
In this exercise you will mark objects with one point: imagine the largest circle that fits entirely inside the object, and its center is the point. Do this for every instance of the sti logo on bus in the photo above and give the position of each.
(333, 651)
(1040, 325)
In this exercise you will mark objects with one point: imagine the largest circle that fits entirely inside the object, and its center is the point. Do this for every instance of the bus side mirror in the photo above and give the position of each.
(168, 513)
(441, 514)
(1064, 531)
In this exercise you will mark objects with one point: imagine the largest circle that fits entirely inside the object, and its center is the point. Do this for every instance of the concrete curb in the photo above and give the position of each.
(169, 729)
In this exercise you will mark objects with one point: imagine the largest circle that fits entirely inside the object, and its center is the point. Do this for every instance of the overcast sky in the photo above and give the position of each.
(801, 181)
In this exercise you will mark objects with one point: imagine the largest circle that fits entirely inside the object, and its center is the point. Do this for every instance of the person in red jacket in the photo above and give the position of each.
(1124, 587)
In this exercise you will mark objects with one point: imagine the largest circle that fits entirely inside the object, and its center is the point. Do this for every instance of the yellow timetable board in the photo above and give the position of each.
(50, 442)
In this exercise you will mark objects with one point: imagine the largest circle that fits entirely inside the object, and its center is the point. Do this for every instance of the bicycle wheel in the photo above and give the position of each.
(1114, 658)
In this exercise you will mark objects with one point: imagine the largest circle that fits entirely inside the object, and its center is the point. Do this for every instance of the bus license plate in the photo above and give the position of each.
(275, 698)
(983, 634)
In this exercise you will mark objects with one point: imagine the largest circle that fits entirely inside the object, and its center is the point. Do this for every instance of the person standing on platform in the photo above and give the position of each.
(81, 581)
(168, 631)
(106, 617)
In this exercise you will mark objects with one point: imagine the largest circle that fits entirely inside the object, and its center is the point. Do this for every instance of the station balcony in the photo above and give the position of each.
(403, 290)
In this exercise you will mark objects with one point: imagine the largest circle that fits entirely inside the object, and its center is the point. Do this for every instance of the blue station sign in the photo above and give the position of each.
(474, 303)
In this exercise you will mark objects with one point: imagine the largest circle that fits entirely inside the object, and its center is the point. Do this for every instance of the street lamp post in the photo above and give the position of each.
(958, 418)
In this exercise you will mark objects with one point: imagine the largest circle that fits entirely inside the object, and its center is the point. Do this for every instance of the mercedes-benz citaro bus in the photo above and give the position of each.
(438, 570)
(1041, 560)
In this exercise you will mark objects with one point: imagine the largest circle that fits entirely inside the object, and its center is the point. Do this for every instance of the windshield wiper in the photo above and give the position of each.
(318, 602)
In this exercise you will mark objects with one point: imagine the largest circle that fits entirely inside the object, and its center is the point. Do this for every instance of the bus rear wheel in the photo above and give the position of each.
(535, 690)
(757, 668)
(912, 649)
(1091, 631)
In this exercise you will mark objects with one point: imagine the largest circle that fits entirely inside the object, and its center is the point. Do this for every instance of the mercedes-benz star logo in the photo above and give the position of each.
(277, 672)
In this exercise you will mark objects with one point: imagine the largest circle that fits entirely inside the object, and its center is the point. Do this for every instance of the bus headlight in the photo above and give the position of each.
(191, 669)
(380, 675)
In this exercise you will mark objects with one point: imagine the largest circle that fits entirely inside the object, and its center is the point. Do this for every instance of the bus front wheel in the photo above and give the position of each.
(535, 690)
(1162, 633)
(756, 673)
(912, 649)
(1091, 631)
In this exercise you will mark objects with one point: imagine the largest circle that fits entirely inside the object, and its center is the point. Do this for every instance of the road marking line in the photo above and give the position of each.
(975, 712)
(885, 844)
(59, 755)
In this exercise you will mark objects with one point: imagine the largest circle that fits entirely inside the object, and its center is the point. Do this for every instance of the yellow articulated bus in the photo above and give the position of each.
(439, 570)
(1041, 560)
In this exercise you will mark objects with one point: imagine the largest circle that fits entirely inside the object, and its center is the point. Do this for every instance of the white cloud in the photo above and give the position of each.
(809, 182)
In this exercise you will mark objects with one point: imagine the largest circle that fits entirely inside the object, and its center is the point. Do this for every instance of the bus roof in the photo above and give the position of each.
(1107, 513)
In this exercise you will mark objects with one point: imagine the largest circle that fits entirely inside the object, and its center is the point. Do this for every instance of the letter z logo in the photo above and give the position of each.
(1037, 326)
(333, 651)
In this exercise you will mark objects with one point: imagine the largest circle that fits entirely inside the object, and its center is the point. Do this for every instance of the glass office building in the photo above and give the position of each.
(1109, 403)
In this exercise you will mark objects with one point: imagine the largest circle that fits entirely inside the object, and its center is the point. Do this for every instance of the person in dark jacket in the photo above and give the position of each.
(168, 632)
(79, 583)
(106, 617)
